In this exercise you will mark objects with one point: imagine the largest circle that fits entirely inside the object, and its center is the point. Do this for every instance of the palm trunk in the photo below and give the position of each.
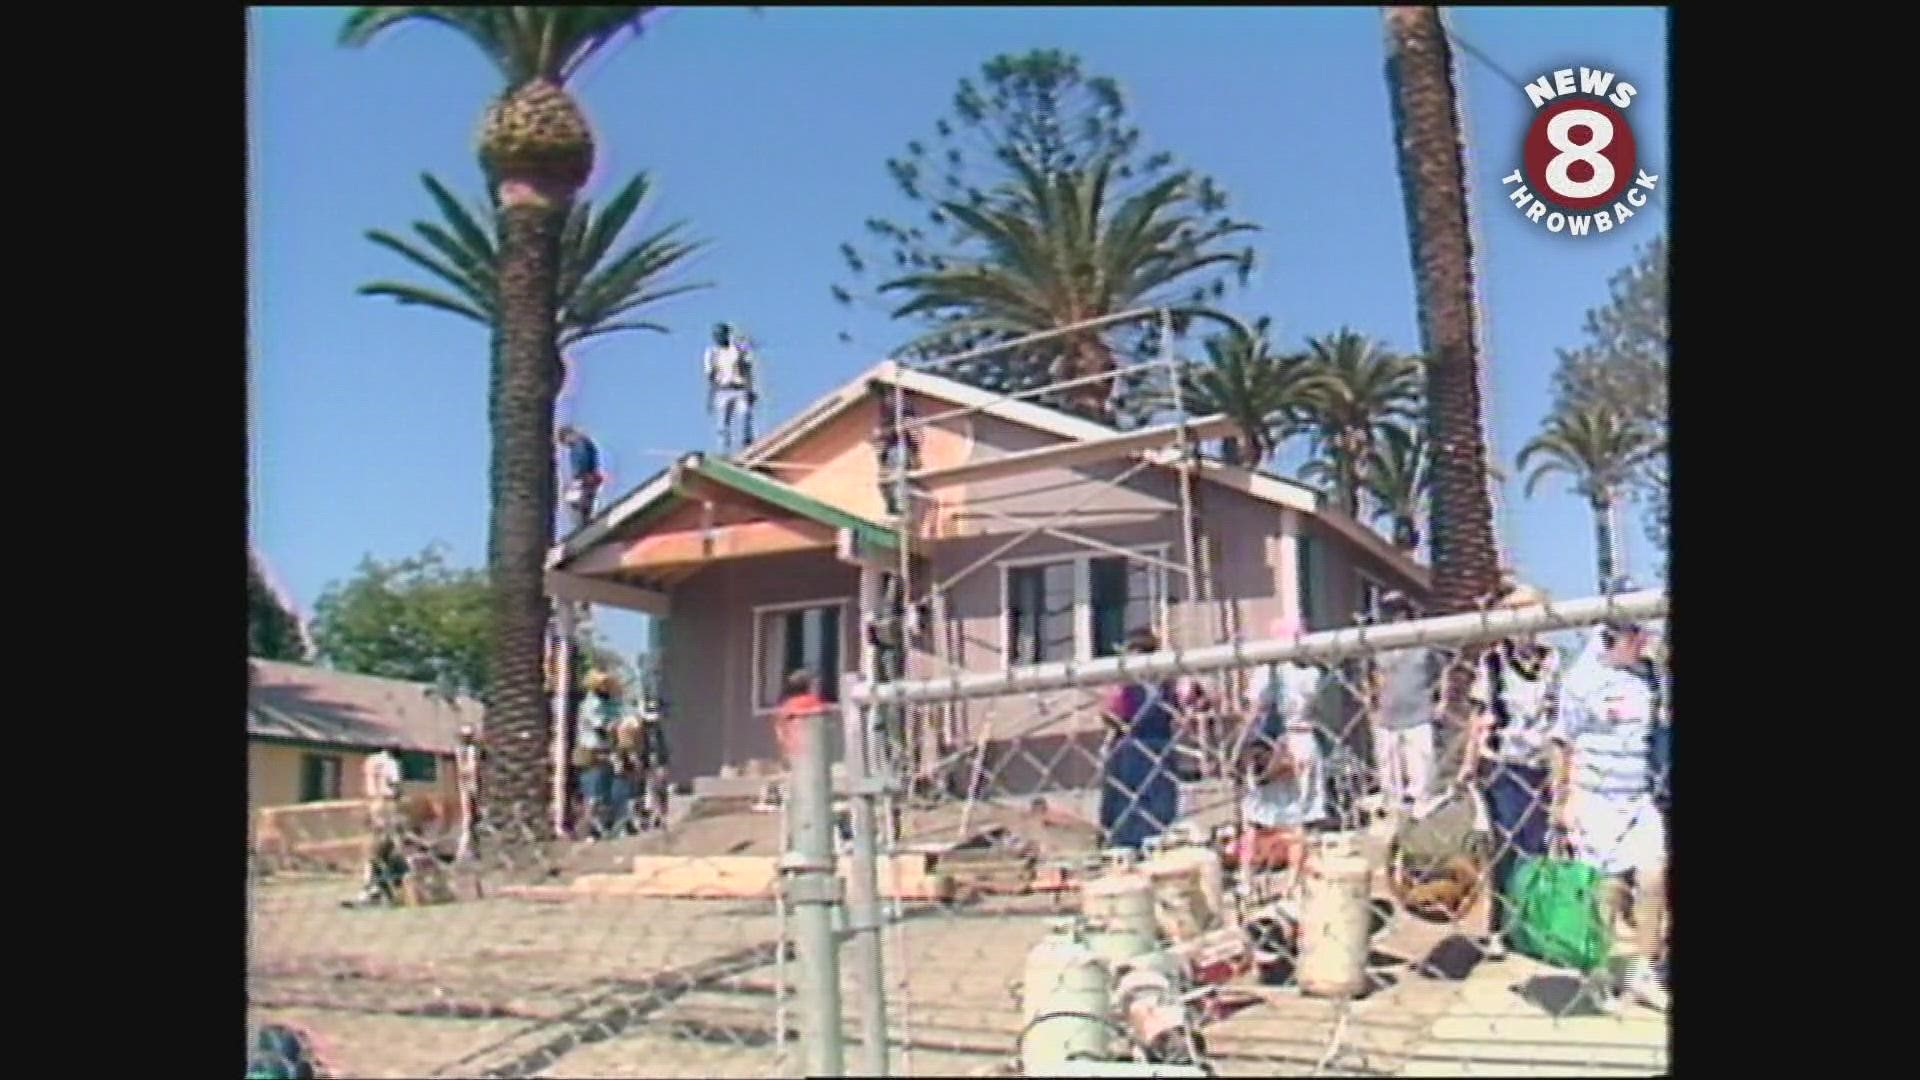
(1088, 356)
(1603, 539)
(1428, 138)
(1346, 478)
(525, 383)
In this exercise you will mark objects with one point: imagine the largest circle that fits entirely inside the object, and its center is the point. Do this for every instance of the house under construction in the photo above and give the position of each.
(1029, 535)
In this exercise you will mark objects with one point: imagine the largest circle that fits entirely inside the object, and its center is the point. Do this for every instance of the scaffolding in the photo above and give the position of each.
(909, 755)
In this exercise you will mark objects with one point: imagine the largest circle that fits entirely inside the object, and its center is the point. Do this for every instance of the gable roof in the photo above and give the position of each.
(653, 496)
(670, 485)
(298, 703)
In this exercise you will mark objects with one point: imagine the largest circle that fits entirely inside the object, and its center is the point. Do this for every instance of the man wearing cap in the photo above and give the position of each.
(730, 387)
(1602, 791)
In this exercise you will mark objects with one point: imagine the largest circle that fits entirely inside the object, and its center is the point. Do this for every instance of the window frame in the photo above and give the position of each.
(759, 658)
(1082, 561)
(429, 775)
(308, 761)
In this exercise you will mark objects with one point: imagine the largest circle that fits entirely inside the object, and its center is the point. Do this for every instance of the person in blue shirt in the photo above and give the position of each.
(1139, 796)
(583, 473)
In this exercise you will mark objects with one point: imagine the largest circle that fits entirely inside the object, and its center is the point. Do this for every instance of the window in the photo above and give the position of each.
(787, 639)
(1126, 594)
(1081, 607)
(1040, 610)
(319, 777)
(419, 768)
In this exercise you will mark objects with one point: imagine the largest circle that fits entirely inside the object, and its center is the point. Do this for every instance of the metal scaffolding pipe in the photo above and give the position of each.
(1323, 646)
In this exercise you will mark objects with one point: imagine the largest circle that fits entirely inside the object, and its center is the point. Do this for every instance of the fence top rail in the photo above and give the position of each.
(1324, 646)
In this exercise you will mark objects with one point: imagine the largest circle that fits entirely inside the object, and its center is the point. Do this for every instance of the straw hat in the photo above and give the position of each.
(600, 680)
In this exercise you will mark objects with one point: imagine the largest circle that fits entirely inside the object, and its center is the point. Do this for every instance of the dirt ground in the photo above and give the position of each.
(622, 986)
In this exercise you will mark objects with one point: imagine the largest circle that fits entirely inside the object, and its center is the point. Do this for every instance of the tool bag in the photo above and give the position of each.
(1557, 918)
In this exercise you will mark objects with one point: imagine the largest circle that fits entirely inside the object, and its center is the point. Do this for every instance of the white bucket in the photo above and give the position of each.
(1335, 918)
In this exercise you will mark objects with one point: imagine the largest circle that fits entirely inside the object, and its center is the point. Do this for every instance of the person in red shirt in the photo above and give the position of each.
(800, 699)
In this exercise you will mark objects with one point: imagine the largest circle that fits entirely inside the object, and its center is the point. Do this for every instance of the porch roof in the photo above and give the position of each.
(697, 477)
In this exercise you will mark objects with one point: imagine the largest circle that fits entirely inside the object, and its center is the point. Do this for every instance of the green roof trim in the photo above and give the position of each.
(775, 493)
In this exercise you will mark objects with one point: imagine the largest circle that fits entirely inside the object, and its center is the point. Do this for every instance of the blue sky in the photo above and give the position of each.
(768, 133)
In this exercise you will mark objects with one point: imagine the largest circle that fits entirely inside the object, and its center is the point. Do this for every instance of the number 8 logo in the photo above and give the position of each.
(1559, 136)
(1579, 154)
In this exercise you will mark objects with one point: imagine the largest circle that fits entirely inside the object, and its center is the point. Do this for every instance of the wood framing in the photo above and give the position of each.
(1072, 454)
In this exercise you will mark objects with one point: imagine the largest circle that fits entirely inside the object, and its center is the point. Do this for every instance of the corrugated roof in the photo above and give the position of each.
(317, 705)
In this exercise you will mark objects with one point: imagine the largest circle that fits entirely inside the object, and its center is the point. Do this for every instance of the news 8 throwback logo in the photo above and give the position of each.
(1579, 171)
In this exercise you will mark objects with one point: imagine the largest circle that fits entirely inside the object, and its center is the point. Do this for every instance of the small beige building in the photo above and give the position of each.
(310, 730)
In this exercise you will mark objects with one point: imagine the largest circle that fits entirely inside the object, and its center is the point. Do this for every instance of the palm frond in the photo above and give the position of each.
(413, 294)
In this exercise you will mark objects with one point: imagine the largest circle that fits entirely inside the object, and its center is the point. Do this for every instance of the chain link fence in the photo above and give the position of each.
(1278, 857)
(1235, 860)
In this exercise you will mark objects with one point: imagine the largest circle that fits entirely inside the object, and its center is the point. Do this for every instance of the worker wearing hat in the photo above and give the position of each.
(1505, 762)
(730, 386)
(593, 751)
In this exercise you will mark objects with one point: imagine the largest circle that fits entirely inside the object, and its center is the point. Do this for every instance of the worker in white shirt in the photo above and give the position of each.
(466, 759)
(380, 783)
(730, 386)
(1602, 789)
(1280, 754)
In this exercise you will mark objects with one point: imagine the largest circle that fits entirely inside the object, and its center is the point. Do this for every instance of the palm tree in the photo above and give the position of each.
(1357, 389)
(599, 291)
(1264, 393)
(536, 150)
(1396, 477)
(1428, 137)
(1600, 450)
(1061, 248)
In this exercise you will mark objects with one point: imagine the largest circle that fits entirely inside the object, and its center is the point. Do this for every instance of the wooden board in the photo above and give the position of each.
(745, 877)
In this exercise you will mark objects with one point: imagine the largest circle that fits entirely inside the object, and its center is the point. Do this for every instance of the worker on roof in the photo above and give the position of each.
(730, 386)
(584, 475)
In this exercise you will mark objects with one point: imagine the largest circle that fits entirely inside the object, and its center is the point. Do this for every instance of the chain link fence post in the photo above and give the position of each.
(864, 917)
(812, 891)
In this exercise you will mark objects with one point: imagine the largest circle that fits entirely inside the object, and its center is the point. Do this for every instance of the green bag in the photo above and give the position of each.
(1557, 917)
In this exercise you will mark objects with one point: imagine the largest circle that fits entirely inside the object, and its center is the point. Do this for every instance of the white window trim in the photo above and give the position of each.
(759, 657)
(1082, 594)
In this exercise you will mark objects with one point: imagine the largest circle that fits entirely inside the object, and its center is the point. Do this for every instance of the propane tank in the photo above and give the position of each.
(1064, 1002)
(1116, 942)
(1121, 897)
(1336, 915)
